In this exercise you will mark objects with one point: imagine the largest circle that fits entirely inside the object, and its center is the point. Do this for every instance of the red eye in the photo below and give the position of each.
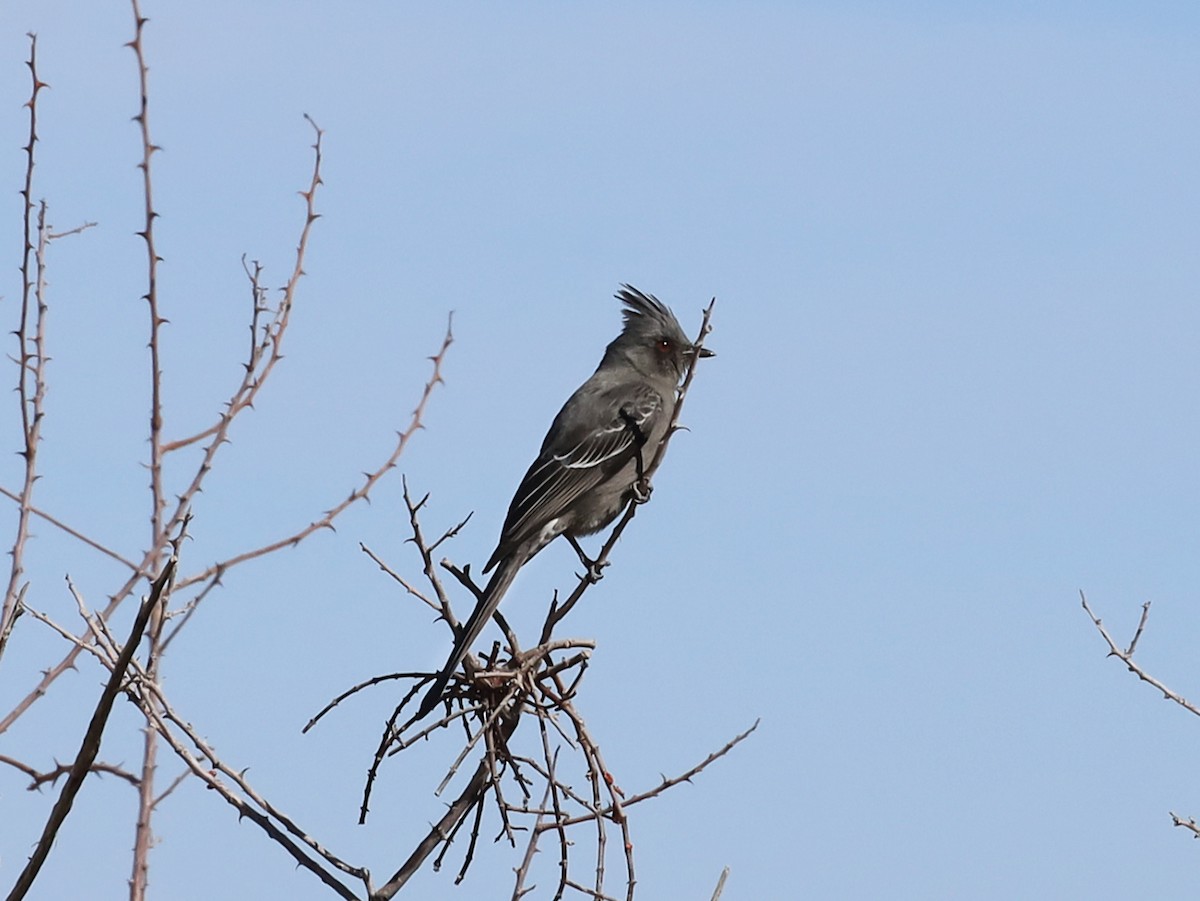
(664, 346)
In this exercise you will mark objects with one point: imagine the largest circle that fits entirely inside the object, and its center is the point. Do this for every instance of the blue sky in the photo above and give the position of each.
(954, 250)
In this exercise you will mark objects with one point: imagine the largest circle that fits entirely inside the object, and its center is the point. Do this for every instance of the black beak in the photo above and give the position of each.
(703, 352)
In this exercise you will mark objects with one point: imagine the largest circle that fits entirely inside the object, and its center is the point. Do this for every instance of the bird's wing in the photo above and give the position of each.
(581, 459)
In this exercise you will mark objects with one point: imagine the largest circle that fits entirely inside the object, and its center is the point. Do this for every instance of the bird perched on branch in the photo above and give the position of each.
(594, 458)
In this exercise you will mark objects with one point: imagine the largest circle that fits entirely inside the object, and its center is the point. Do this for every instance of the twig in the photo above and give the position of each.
(161, 716)
(374, 680)
(94, 648)
(184, 614)
(31, 363)
(671, 781)
(591, 893)
(492, 718)
(519, 890)
(149, 148)
(1189, 824)
(276, 332)
(175, 783)
(427, 564)
(404, 583)
(1126, 655)
(18, 608)
(716, 896)
(266, 343)
(52, 673)
(1140, 626)
(143, 839)
(74, 533)
(38, 778)
(441, 830)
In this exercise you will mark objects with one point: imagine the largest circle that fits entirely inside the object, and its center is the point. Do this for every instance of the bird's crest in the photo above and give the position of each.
(648, 318)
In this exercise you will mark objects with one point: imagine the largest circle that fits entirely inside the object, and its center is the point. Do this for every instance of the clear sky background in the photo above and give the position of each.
(955, 249)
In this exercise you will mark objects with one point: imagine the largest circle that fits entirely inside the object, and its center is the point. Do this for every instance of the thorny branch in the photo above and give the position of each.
(202, 761)
(38, 778)
(208, 766)
(31, 351)
(213, 573)
(143, 835)
(273, 337)
(360, 493)
(267, 332)
(74, 533)
(1125, 655)
(31, 356)
(149, 148)
(30, 361)
(90, 746)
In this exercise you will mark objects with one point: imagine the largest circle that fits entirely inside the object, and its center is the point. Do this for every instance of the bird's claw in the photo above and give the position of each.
(641, 491)
(594, 570)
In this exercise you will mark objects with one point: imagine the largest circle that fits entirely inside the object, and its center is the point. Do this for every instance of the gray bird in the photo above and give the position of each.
(593, 457)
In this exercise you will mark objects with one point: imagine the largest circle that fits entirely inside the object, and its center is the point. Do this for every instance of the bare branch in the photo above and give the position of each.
(690, 774)
(716, 896)
(142, 118)
(427, 564)
(90, 746)
(74, 533)
(358, 494)
(213, 573)
(159, 528)
(170, 789)
(242, 398)
(442, 830)
(1189, 824)
(162, 717)
(374, 680)
(1126, 655)
(38, 778)
(404, 583)
(31, 354)
(52, 673)
(1138, 633)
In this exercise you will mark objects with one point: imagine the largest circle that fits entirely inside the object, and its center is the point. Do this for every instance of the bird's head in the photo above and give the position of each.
(652, 339)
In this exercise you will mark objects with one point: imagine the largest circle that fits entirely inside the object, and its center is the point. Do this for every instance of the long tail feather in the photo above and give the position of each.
(502, 578)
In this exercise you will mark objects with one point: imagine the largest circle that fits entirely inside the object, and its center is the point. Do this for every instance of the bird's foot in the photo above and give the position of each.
(594, 570)
(641, 491)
